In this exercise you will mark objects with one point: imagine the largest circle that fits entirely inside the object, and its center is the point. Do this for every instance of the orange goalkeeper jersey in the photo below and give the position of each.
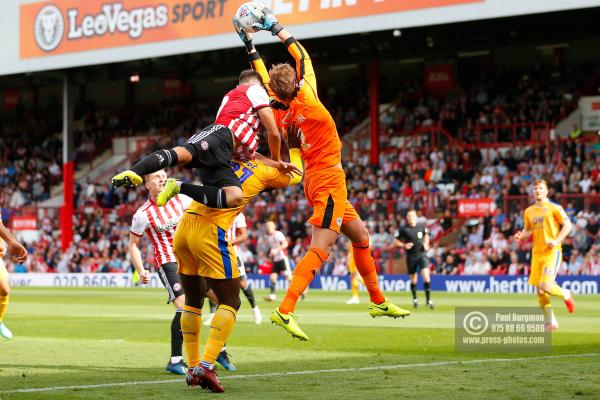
(320, 144)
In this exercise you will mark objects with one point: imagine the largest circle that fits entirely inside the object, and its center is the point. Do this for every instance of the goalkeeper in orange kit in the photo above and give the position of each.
(300, 110)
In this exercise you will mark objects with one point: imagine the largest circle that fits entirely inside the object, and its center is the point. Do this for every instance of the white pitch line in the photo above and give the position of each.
(311, 372)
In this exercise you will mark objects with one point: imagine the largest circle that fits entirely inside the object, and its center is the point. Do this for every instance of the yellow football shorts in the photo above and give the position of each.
(202, 249)
(544, 267)
(3, 271)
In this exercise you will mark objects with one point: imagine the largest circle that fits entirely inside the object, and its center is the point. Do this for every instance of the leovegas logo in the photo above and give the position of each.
(65, 26)
(49, 28)
(115, 18)
(53, 27)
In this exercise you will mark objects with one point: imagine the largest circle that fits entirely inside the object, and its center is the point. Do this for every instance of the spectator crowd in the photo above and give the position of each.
(382, 196)
(429, 179)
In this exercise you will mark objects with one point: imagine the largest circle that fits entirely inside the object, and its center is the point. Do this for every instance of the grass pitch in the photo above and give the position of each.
(114, 344)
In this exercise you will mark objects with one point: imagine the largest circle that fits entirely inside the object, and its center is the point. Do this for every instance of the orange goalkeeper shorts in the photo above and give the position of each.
(325, 190)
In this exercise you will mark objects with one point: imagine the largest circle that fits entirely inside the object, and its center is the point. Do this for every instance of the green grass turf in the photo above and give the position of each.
(67, 337)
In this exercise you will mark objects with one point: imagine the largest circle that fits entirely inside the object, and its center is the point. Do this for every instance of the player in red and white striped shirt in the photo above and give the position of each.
(239, 112)
(159, 224)
(234, 133)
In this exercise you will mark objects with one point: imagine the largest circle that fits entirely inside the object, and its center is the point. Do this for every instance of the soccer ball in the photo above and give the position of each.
(245, 16)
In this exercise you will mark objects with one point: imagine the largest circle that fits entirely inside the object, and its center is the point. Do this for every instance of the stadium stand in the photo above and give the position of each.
(430, 175)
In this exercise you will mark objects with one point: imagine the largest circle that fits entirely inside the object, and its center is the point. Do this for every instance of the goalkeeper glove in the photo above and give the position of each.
(129, 178)
(268, 22)
(245, 36)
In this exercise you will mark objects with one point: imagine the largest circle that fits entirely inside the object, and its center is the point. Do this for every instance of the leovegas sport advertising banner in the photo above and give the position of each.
(69, 26)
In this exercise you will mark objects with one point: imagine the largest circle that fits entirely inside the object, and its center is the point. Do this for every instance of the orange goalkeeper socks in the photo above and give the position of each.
(366, 268)
(303, 275)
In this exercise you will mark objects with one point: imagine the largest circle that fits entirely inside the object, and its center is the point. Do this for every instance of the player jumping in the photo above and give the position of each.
(549, 225)
(414, 239)
(234, 133)
(19, 254)
(207, 259)
(159, 224)
(325, 180)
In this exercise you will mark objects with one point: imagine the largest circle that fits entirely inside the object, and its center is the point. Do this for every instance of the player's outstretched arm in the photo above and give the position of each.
(288, 168)
(151, 163)
(304, 68)
(256, 61)
(273, 136)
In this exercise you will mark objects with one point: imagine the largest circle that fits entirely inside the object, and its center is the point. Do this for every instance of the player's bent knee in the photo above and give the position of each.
(194, 288)
(542, 289)
(231, 301)
(362, 235)
(179, 301)
(194, 300)
(356, 231)
(324, 246)
(236, 303)
(545, 287)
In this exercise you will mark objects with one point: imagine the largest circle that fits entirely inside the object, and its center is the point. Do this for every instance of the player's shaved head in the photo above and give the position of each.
(270, 225)
(282, 81)
(249, 75)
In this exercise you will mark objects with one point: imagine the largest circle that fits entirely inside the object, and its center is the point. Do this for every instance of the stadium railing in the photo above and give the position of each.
(476, 137)
(429, 204)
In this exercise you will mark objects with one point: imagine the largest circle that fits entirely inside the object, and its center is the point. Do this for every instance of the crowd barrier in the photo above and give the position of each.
(394, 283)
